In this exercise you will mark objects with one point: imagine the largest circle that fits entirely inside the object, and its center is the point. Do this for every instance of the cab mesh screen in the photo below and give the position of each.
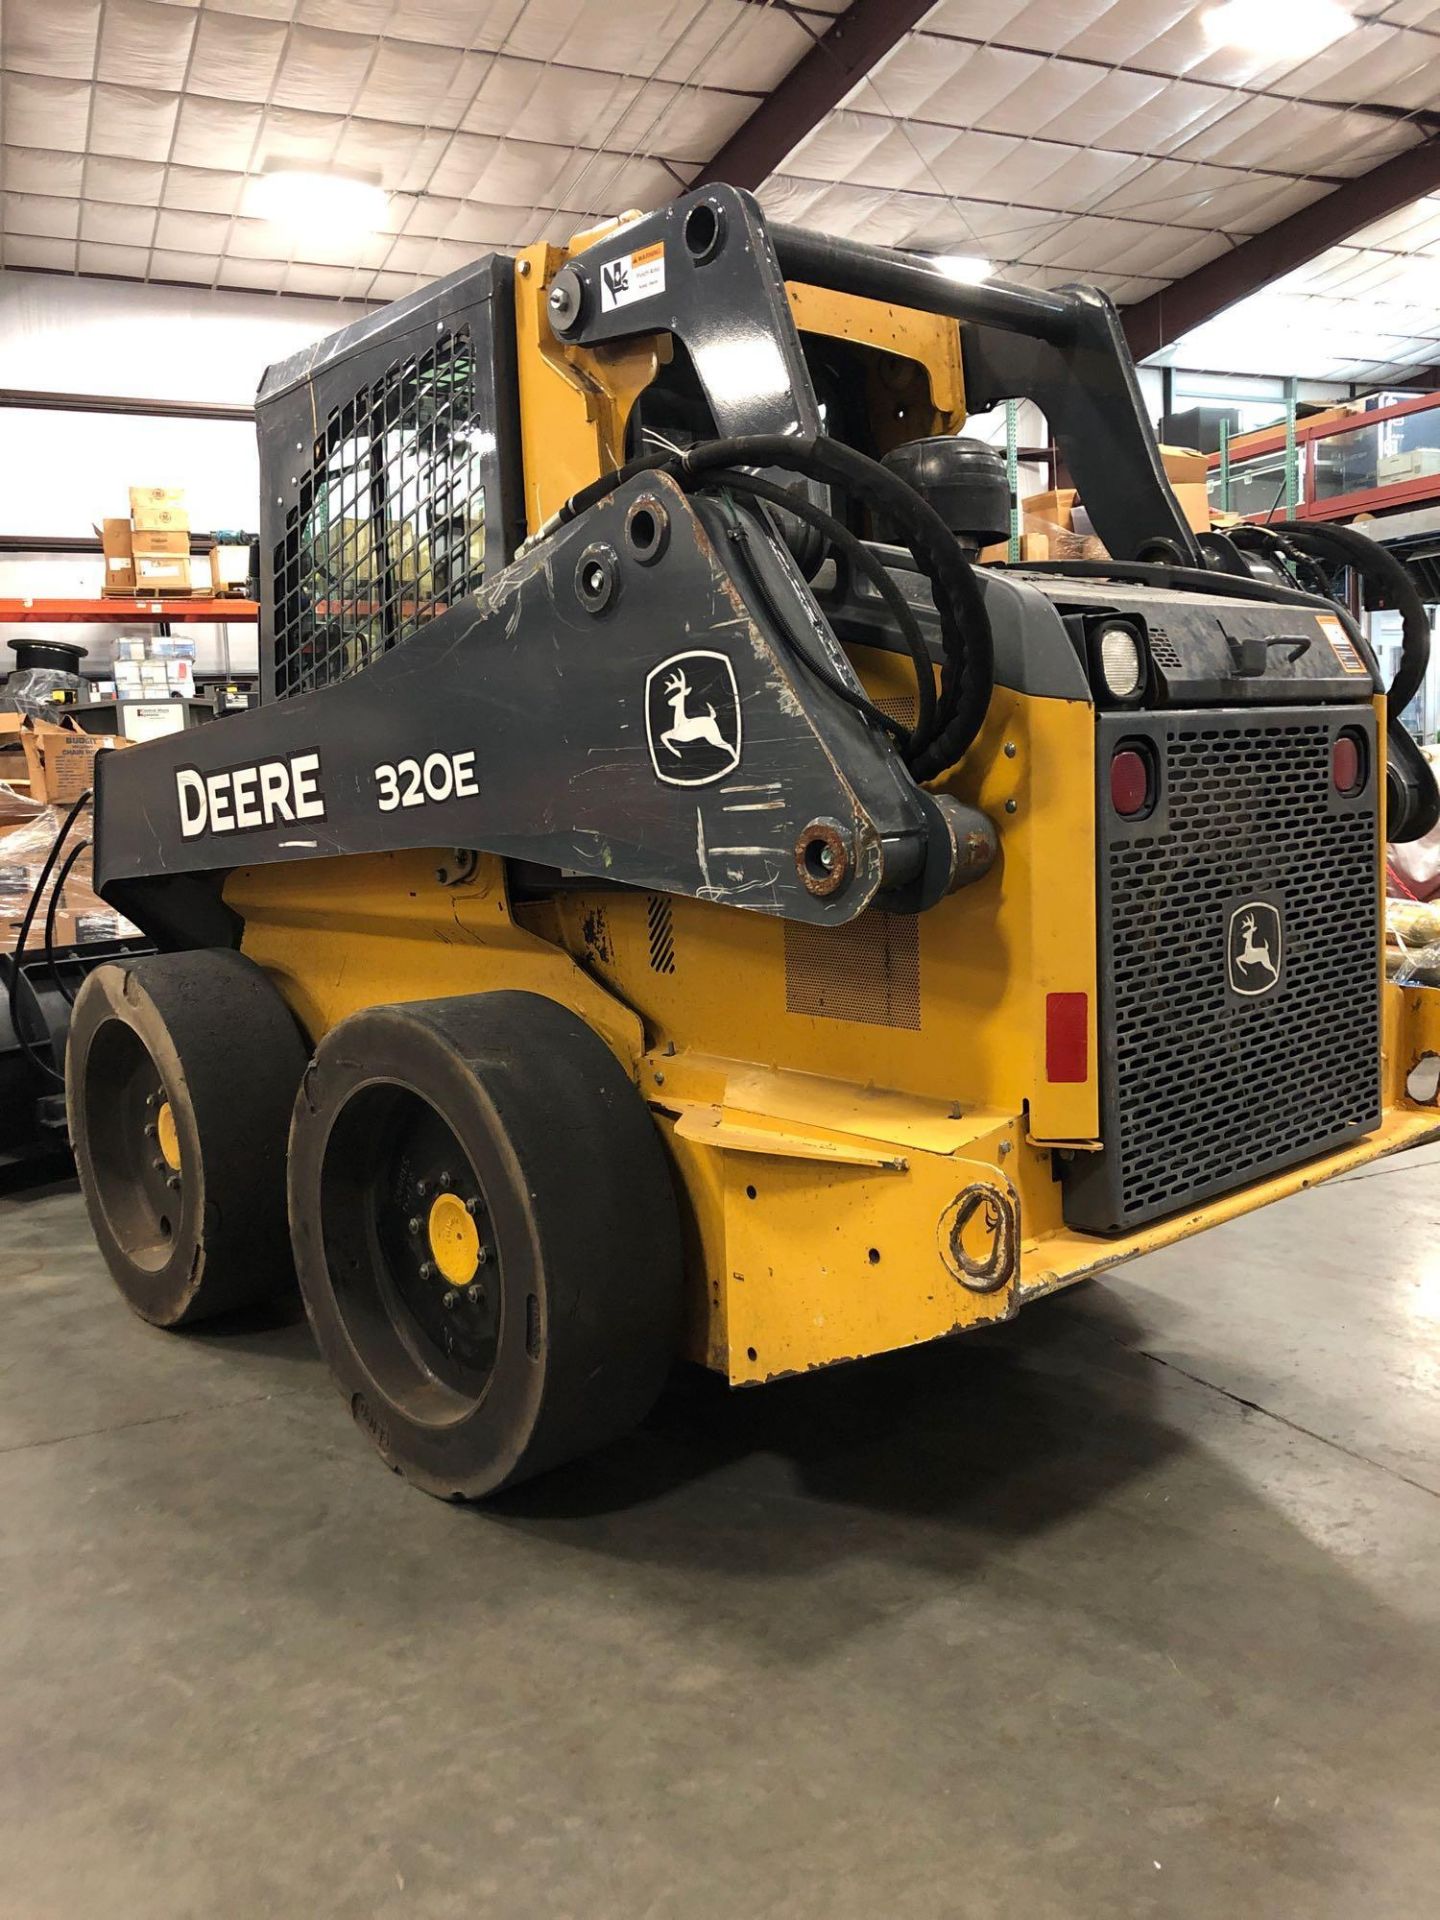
(389, 525)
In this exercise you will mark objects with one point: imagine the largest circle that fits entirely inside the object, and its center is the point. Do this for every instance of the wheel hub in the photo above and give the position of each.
(454, 1239)
(167, 1137)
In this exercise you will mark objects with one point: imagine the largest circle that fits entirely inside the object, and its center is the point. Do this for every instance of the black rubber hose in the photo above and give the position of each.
(1373, 563)
(968, 673)
(1283, 555)
(864, 561)
(49, 949)
(30, 1052)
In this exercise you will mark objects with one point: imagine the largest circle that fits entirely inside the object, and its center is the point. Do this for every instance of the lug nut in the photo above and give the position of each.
(413, 1223)
(150, 1130)
(448, 1301)
(427, 1271)
(472, 1207)
(173, 1183)
(481, 1257)
(443, 1183)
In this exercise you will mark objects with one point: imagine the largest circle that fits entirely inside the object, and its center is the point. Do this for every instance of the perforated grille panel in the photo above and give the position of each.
(389, 526)
(1162, 649)
(1206, 1087)
(867, 970)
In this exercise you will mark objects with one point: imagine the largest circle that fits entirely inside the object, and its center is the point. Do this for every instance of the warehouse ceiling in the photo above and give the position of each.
(1108, 140)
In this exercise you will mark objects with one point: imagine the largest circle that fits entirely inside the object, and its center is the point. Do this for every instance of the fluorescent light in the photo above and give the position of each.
(968, 267)
(1290, 30)
(305, 201)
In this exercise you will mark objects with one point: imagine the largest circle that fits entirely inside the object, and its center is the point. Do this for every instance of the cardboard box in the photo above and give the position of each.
(1194, 499)
(1184, 466)
(151, 719)
(158, 509)
(60, 760)
(230, 568)
(151, 541)
(1033, 546)
(67, 762)
(1052, 509)
(117, 556)
(1418, 464)
(17, 809)
(162, 573)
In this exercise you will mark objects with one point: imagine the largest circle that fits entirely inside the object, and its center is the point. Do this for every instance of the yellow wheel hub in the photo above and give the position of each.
(167, 1138)
(454, 1239)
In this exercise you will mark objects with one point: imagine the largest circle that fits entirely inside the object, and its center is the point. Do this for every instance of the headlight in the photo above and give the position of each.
(1122, 662)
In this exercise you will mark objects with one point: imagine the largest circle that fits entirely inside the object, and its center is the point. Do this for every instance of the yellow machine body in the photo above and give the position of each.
(860, 1119)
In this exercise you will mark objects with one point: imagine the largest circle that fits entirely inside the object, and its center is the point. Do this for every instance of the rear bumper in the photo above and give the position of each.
(826, 1214)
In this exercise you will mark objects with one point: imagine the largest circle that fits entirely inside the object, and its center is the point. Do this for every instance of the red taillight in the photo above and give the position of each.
(1130, 782)
(1067, 1037)
(1347, 762)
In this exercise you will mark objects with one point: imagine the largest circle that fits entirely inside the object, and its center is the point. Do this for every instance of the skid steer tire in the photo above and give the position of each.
(180, 1077)
(486, 1237)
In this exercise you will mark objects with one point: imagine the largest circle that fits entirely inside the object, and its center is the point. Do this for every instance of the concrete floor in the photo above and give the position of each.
(1130, 1609)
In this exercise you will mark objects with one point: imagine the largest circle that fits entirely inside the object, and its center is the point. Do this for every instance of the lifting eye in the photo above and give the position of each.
(647, 529)
(704, 232)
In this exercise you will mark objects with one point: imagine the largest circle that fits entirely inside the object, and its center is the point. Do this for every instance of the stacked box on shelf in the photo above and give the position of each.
(154, 667)
(160, 539)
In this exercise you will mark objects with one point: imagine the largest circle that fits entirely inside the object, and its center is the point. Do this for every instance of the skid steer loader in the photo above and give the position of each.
(671, 901)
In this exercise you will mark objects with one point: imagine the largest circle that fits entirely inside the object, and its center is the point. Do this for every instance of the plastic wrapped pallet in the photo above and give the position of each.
(81, 916)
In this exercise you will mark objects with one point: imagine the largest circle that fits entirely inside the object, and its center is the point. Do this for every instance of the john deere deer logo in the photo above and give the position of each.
(1254, 951)
(692, 718)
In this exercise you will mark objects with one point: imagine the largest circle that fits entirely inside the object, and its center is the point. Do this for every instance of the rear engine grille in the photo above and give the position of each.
(1204, 1088)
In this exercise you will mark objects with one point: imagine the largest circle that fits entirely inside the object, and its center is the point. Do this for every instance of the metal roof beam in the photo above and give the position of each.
(1163, 317)
(856, 42)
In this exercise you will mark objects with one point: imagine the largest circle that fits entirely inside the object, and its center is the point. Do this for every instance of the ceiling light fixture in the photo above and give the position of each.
(303, 199)
(1290, 30)
(967, 267)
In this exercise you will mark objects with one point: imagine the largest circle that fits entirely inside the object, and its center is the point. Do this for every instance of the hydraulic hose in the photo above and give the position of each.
(863, 561)
(31, 1052)
(967, 675)
(1373, 563)
(968, 672)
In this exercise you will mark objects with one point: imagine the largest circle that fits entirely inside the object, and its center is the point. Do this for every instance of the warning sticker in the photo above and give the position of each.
(633, 276)
(1341, 645)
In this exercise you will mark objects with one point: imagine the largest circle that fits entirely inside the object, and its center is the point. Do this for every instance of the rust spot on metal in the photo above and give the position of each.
(595, 932)
(992, 1265)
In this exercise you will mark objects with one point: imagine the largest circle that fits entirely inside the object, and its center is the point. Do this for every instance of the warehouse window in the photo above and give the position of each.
(389, 526)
